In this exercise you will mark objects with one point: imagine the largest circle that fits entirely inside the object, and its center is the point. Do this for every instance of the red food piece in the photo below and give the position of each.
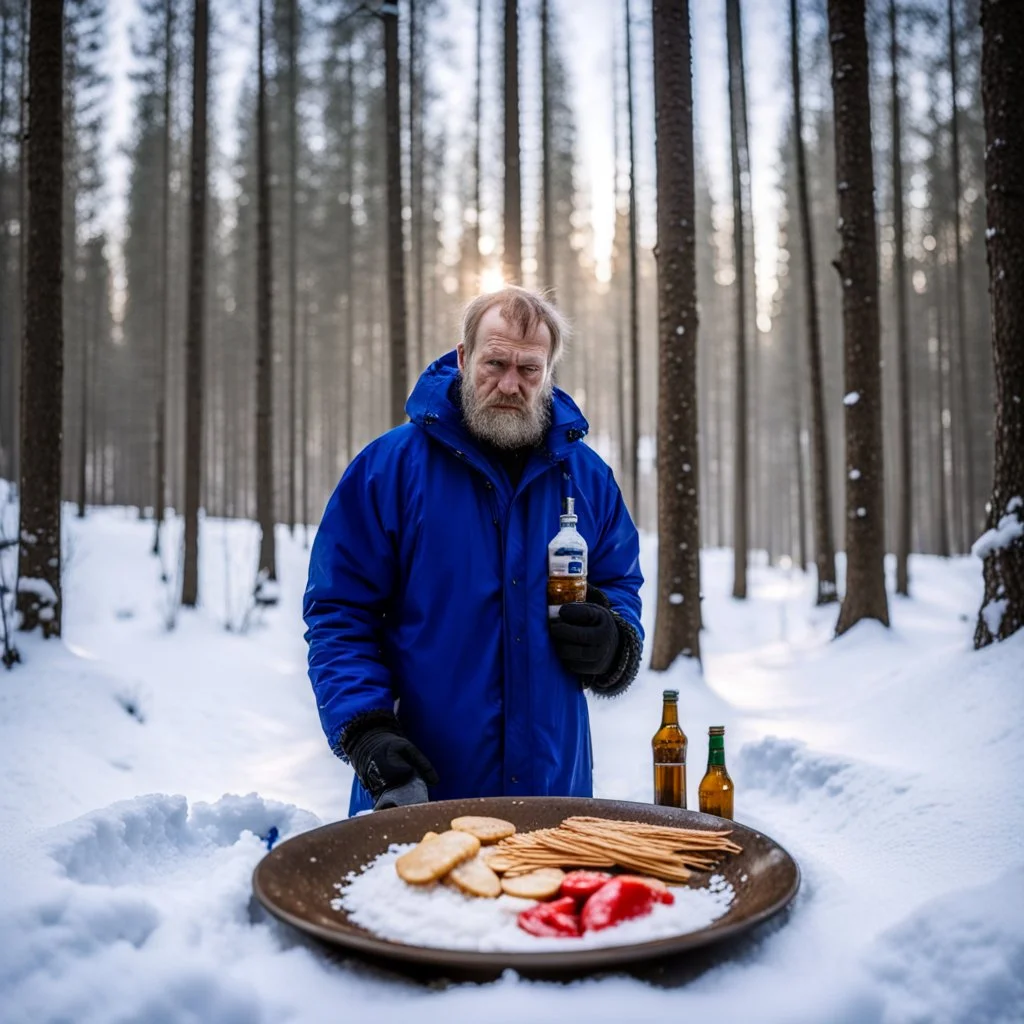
(581, 884)
(658, 887)
(621, 899)
(552, 920)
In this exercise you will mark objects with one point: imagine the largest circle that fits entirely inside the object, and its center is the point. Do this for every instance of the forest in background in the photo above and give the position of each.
(340, 342)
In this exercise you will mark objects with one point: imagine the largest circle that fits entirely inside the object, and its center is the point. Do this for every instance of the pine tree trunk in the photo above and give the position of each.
(740, 468)
(8, 339)
(677, 628)
(293, 263)
(1002, 547)
(634, 291)
(824, 540)
(547, 225)
(264, 342)
(858, 268)
(163, 369)
(478, 146)
(416, 224)
(396, 255)
(42, 370)
(971, 515)
(904, 478)
(194, 344)
(513, 237)
(347, 242)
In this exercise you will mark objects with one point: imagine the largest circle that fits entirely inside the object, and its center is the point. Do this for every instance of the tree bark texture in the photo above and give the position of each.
(547, 226)
(677, 628)
(1002, 546)
(824, 538)
(42, 367)
(634, 289)
(906, 468)
(513, 229)
(293, 261)
(396, 253)
(858, 269)
(737, 117)
(194, 341)
(970, 513)
(264, 341)
(163, 366)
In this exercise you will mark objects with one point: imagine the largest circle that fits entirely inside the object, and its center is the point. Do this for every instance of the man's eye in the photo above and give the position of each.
(496, 363)
(531, 369)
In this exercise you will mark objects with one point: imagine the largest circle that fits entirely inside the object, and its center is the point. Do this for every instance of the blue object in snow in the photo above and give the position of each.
(271, 837)
(427, 595)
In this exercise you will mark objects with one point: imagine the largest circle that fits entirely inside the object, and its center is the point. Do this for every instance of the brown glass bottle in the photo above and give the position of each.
(669, 749)
(715, 793)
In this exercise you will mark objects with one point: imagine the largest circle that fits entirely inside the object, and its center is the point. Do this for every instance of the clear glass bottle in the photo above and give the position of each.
(716, 790)
(668, 747)
(567, 562)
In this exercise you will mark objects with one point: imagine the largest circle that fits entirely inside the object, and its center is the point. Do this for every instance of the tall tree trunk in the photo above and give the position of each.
(824, 539)
(42, 369)
(634, 289)
(478, 145)
(163, 368)
(346, 256)
(396, 254)
(194, 344)
(264, 342)
(547, 224)
(905, 476)
(677, 628)
(858, 268)
(513, 230)
(740, 468)
(971, 516)
(8, 340)
(293, 263)
(416, 224)
(85, 334)
(1002, 546)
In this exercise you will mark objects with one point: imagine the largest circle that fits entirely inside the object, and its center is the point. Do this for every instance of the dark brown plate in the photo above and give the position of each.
(296, 881)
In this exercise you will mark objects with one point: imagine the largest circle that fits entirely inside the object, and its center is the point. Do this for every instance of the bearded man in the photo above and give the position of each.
(436, 671)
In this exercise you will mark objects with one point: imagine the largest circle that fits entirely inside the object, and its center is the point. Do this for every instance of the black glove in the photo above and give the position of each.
(586, 638)
(387, 762)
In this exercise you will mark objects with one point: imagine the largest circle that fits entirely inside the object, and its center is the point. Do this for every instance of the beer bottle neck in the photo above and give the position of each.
(670, 713)
(716, 751)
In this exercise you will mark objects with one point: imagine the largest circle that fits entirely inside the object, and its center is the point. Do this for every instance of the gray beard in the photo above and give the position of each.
(503, 428)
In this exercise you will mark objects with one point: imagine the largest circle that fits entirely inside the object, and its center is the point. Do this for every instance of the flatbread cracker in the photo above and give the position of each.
(434, 858)
(475, 878)
(534, 885)
(487, 830)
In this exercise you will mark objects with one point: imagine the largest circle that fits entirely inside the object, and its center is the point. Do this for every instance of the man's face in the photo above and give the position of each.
(507, 387)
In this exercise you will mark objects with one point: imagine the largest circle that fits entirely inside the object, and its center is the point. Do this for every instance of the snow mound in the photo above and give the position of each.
(144, 838)
(789, 769)
(963, 952)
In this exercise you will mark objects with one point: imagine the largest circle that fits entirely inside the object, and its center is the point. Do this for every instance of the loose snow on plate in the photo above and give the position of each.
(435, 915)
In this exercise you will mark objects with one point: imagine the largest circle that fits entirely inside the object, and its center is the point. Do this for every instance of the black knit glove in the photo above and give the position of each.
(386, 763)
(586, 638)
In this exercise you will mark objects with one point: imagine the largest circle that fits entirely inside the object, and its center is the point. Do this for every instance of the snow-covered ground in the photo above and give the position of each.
(140, 766)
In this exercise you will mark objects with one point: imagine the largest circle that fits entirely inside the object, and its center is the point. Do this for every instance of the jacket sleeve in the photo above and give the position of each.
(614, 569)
(352, 572)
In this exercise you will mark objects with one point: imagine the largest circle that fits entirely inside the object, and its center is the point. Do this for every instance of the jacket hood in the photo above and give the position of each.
(432, 402)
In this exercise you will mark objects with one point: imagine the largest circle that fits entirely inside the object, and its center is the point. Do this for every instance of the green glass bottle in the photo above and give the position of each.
(716, 789)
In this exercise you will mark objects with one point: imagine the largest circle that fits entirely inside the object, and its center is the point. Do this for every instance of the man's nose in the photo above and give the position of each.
(509, 383)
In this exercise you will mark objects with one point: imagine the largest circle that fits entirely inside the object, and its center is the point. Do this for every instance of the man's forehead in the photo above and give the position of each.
(494, 329)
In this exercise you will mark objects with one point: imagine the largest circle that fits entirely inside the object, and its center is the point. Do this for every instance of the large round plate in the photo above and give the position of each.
(297, 880)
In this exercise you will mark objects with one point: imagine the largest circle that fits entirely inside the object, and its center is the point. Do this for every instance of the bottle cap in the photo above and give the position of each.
(670, 695)
(570, 507)
(716, 730)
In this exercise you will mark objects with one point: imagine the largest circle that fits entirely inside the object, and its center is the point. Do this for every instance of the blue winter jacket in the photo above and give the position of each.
(427, 597)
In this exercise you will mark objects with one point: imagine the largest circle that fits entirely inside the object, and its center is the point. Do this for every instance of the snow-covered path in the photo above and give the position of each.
(888, 763)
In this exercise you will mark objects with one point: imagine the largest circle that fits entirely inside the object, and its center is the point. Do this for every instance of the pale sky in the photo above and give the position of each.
(586, 38)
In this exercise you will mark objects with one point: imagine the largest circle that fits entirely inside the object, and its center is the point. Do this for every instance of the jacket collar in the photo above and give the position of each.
(431, 406)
